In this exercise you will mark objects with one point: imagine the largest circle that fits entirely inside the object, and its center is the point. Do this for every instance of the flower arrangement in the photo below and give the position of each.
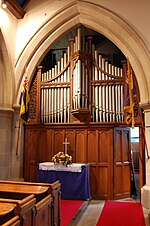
(60, 157)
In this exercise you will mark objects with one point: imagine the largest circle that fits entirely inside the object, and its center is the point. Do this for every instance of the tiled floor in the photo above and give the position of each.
(92, 213)
(147, 218)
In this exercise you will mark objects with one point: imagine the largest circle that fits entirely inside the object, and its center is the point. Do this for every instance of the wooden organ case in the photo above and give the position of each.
(81, 99)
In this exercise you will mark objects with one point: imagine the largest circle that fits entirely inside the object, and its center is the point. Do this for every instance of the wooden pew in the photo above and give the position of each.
(21, 208)
(29, 212)
(42, 214)
(6, 211)
(19, 190)
(15, 221)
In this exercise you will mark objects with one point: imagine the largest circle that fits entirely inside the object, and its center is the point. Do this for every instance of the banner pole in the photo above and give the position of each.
(18, 137)
(143, 130)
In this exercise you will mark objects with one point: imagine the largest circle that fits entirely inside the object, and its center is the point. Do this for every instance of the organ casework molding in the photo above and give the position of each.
(82, 86)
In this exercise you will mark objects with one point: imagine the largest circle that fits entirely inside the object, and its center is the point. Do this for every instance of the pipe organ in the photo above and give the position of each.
(82, 86)
(55, 93)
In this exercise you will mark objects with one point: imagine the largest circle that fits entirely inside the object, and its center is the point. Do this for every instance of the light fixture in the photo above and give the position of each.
(3, 4)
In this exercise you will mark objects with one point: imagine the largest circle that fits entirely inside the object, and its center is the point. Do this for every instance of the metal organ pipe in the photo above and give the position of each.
(106, 94)
(53, 94)
(96, 88)
(118, 97)
(78, 70)
(61, 91)
(46, 101)
(83, 85)
(50, 96)
(68, 88)
(42, 103)
(86, 78)
(110, 95)
(103, 90)
(79, 84)
(93, 87)
(121, 98)
(65, 91)
(106, 84)
(58, 94)
(107, 91)
(100, 89)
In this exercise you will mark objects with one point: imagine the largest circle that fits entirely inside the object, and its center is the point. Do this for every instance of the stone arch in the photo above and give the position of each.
(6, 79)
(96, 18)
(6, 109)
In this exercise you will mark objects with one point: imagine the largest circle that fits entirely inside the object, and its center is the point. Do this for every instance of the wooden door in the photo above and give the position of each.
(122, 184)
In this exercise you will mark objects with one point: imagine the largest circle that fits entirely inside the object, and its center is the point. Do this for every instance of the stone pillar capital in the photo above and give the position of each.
(145, 106)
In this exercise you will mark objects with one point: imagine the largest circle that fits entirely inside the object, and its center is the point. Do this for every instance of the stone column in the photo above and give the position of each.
(145, 191)
(6, 117)
(11, 164)
(17, 146)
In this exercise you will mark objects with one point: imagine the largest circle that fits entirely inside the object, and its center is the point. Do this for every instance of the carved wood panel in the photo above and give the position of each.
(121, 163)
(30, 154)
(33, 98)
(70, 135)
(87, 145)
(80, 146)
(42, 138)
(105, 163)
(91, 146)
(58, 138)
(93, 181)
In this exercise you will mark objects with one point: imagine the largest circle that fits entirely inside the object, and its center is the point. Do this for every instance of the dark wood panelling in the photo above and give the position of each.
(122, 184)
(42, 153)
(93, 181)
(93, 145)
(70, 135)
(103, 182)
(80, 145)
(30, 154)
(58, 139)
(105, 163)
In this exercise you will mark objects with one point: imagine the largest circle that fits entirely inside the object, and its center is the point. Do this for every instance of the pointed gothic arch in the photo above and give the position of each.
(100, 20)
(6, 110)
(96, 18)
(6, 79)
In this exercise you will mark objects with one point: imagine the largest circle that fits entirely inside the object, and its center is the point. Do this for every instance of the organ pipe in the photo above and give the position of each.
(83, 80)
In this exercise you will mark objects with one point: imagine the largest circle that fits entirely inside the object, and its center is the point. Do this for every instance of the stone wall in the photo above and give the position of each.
(11, 163)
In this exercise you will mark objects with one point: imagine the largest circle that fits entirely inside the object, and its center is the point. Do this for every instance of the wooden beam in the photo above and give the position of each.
(15, 9)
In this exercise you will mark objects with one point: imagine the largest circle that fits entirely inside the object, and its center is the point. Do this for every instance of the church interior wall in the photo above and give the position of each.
(7, 79)
(5, 143)
(8, 159)
(129, 43)
(8, 27)
(37, 15)
(24, 43)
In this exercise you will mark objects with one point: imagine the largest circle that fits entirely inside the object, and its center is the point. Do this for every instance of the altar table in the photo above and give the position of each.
(74, 179)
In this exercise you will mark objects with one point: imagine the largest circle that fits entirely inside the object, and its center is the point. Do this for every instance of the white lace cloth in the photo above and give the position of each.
(74, 167)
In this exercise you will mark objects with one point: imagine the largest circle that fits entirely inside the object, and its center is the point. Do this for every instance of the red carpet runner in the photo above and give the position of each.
(116, 213)
(68, 210)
